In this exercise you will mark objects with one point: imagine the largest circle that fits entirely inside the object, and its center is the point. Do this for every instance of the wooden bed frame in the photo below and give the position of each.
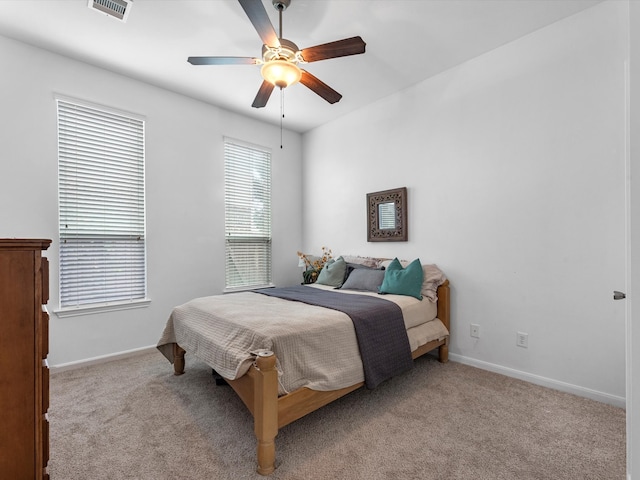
(258, 389)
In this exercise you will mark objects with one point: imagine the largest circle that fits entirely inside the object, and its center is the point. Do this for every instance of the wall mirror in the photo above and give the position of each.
(387, 216)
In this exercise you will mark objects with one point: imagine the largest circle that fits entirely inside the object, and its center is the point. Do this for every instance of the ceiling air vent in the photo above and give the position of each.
(114, 8)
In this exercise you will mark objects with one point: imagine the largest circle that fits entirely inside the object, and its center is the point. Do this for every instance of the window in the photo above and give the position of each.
(247, 180)
(101, 206)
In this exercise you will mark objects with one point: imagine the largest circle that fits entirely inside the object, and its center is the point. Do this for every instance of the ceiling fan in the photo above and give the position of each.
(280, 57)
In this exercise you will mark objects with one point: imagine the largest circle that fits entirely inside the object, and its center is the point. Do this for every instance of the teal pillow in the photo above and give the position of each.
(333, 272)
(403, 281)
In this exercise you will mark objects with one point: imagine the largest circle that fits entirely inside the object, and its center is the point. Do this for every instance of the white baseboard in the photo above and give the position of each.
(543, 381)
(101, 359)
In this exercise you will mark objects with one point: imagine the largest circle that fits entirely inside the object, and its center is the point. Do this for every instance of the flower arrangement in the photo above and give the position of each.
(313, 264)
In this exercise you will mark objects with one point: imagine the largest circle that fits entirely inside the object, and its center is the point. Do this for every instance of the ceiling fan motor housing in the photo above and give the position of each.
(287, 51)
(281, 5)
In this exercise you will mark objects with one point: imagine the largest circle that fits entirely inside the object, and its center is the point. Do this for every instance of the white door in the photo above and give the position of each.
(633, 248)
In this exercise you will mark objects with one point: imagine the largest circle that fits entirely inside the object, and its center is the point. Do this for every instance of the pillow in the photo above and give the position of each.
(352, 266)
(364, 279)
(333, 272)
(370, 262)
(403, 281)
(433, 278)
(386, 263)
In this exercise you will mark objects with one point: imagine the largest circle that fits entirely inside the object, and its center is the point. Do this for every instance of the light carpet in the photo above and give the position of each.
(133, 419)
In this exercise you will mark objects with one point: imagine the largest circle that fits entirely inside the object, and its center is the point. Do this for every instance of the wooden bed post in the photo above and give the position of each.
(178, 359)
(266, 410)
(444, 314)
(443, 353)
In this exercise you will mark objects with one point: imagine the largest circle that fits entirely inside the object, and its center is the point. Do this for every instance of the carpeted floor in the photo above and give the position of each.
(133, 419)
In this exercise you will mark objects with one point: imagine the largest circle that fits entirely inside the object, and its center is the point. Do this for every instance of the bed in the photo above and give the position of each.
(286, 356)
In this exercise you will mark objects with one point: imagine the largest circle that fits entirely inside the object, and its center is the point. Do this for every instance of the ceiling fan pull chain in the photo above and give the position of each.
(281, 112)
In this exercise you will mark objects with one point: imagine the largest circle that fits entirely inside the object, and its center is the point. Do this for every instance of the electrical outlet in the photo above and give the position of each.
(475, 330)
(522, 340)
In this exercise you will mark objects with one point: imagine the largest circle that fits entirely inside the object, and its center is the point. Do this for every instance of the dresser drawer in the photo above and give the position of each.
(45, 387)
(45, 445)
(45, 279)
(44, 334)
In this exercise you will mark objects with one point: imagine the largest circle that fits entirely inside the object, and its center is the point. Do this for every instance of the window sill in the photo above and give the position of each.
(101, 307)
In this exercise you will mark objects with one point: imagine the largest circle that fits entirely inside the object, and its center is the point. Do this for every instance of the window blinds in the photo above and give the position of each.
(247, 215)
(101, 206)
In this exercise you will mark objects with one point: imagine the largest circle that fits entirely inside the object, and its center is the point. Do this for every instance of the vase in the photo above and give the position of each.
(310, 276)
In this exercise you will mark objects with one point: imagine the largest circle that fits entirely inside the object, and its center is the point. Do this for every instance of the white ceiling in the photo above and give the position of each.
(407, 42)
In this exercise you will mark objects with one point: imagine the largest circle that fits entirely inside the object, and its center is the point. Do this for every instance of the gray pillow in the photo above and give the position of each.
(351, 267)
(332, 273)
(364, 279)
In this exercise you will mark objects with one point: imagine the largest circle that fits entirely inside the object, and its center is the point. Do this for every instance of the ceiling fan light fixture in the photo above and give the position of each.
(281, 73)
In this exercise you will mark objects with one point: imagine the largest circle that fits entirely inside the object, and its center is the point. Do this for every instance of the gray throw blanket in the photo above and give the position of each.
(379, 325)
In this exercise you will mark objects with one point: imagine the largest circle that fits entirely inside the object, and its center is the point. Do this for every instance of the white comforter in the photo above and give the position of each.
(316, 347)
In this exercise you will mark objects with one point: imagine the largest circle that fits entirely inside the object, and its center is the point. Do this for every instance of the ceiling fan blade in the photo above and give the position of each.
(260, 20)
(339, 48)
(319, 87)
(263, 95)
(223, 60)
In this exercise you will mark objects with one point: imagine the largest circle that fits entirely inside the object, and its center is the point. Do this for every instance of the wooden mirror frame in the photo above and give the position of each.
(398, 234)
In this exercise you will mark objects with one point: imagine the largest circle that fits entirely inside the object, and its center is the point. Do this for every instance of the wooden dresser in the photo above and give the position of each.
(24, 346)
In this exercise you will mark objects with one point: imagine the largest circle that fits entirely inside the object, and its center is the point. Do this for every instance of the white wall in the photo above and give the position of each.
(514, 165)
(184, 190)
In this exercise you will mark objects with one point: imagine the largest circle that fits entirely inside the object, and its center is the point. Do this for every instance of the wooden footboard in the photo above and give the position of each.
(258, 389)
